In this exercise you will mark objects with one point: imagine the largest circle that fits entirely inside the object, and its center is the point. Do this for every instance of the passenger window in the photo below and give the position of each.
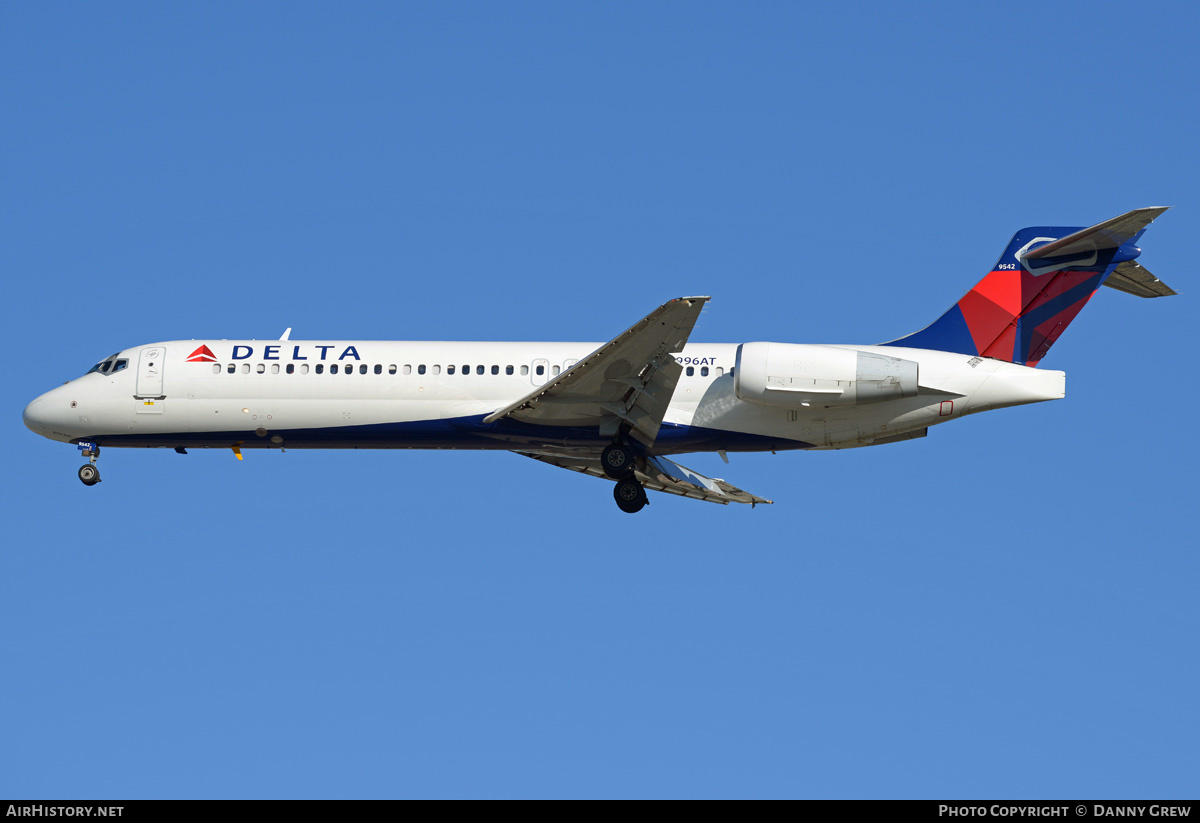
(479, 369)
(378, 369)
(245, 368)
(554, 371)
(216, 368)
(495, 369)
(704, 371)
(541, 370)
(232, 368)
(261, 368)
(408, 369)
(274, 368)
(466, 369)
(720, 371)
(421, 369)
(291, 368)
(437, 369)
(508, 369)
(320, 368)
(304, 368)
(691, 371)
(450, 370)
(333, 369)
(362, 368)
(392, 369)
(524, 371)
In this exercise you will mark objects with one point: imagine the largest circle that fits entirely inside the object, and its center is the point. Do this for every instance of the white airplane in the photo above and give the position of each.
(617, 410)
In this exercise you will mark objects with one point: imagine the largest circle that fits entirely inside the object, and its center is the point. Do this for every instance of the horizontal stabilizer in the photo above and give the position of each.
(1109, 235)
(1132, 278)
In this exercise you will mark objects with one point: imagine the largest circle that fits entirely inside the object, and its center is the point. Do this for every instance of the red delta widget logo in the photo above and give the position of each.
(202, 355)
(242, 352)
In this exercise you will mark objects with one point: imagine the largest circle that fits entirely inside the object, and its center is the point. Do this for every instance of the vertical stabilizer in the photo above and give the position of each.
(1042, 281)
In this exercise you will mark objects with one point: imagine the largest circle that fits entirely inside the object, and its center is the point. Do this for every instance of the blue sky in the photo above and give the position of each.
(1004, 609)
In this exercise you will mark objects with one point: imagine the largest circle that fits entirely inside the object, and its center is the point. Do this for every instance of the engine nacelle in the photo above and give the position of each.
(794, 374)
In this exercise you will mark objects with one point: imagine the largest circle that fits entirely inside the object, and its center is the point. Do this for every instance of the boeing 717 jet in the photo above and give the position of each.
(620, 410)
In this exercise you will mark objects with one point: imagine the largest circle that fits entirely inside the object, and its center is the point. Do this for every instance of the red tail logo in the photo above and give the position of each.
(202, 355)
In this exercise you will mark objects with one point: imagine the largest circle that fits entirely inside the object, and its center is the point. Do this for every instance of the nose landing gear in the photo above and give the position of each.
(89, 475)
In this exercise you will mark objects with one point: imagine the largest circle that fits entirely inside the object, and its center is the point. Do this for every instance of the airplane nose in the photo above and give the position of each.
(51, 415)
(32, 421)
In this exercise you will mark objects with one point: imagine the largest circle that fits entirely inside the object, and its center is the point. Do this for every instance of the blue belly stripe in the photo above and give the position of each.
(456, 433)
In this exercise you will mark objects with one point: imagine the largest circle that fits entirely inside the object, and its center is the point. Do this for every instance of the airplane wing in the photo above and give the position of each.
(630, 378)
(661, 475)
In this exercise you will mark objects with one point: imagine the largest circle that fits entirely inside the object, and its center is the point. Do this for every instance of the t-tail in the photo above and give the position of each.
(1044, 278)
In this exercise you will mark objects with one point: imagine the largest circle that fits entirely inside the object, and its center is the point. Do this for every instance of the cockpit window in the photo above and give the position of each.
(109, 365)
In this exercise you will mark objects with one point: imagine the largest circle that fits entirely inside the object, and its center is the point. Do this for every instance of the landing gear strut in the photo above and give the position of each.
(89, 475)
(630, 496)
(617, 461)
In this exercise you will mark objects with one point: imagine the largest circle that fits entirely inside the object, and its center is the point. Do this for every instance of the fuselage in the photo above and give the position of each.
(614, 410)
(435, 395)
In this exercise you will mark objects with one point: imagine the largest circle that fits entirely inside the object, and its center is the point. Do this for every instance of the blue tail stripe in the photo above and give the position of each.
(1028, 323)
(948, 333)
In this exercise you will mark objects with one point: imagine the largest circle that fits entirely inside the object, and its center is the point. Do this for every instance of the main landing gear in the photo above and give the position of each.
(630, 496)
(619, 462)
(89, 475)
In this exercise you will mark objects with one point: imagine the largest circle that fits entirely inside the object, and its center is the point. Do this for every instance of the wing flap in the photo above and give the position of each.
(660, 475)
